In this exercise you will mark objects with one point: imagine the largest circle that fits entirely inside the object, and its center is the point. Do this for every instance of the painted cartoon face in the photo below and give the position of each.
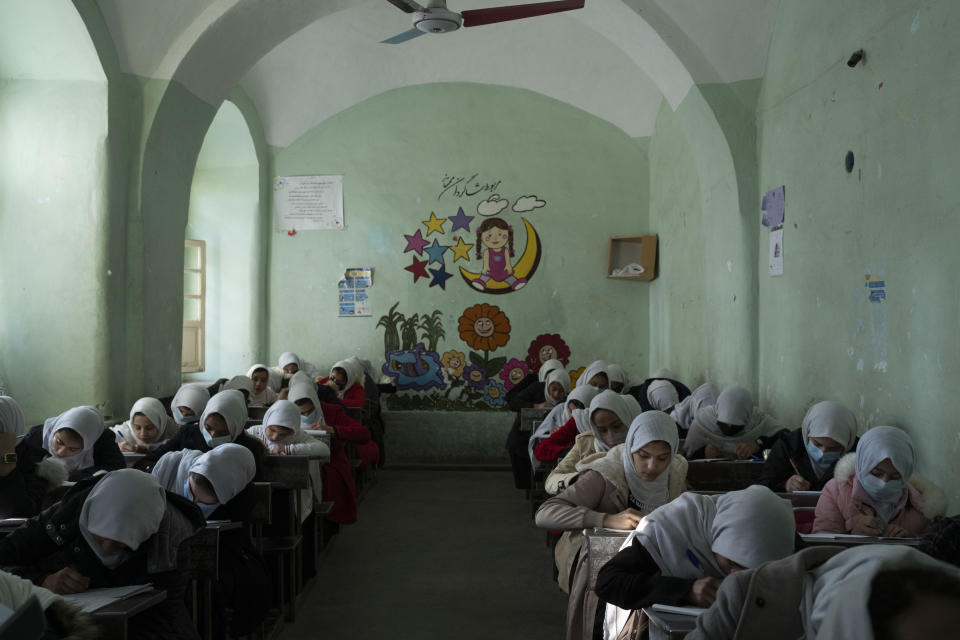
(476, 375)
(547, 352)
(494, 238)
(483, 327)
(454, 363)
(493, 391)
(516, 375)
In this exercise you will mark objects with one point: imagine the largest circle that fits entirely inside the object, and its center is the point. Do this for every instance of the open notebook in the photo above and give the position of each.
(93, 599)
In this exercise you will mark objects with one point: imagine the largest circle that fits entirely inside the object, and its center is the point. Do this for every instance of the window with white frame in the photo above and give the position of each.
(194, 304)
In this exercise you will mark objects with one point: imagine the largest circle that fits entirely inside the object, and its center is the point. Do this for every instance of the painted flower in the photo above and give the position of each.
(494, 394)
(547, 346)
(475, 376)
(484, 327)
(574, 375)
(513, 372)
(453, 363)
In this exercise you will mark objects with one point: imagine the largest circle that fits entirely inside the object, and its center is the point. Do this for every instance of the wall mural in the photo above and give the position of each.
(459, 379)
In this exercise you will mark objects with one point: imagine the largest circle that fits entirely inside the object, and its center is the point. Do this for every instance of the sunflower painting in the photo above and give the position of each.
(485, 327)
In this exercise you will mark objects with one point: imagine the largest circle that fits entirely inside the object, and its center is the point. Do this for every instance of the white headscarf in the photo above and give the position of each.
(625, 407)
(350, 369)
(192, 395)
(156, 414)
(305, 391)
(231, 406)
(661, 394)
(229, 468)
(686, 410)
(548, 366)
(86, 421)
(749, 527)
(173, 468)
(283, 413)
(734, 406)
(274, 377)
(837, 593)
(648, 427)
(663, 372)
(832, 420)
(11, 417)
(616, 373)
(595, 367)
(878, 444)
(240, 383)
(560, 376)
(289, 357)
(127, 505)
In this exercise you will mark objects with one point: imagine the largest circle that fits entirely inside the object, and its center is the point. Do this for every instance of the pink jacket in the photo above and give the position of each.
(843, 500)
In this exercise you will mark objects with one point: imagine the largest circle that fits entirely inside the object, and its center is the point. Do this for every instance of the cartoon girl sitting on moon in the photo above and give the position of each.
(495, 246)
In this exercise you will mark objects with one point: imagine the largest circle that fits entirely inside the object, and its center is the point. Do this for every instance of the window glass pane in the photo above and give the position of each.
(191, 310)
(191, 283)
(191, 257)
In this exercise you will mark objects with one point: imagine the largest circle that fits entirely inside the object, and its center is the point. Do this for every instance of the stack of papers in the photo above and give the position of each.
(94, 599)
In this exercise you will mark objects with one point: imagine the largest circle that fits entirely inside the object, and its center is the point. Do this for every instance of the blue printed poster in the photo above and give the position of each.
(354, 299)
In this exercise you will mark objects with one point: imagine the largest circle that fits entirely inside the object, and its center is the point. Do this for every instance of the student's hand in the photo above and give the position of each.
(868, 526)
(703, 593)
(896, 531)
(797, 483)
(276, 449)
(712, 451)
(126, 447)
(744, 450)
(65, 581)
(542, 405)
(626, 520)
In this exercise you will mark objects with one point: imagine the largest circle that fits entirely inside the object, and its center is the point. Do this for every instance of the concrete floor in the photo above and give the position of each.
(436, 554)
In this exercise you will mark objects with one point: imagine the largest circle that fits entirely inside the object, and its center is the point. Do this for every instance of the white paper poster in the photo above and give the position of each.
(776, 252)
(302, 203)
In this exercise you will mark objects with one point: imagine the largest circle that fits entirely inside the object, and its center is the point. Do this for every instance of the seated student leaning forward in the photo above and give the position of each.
(561, 416)
(870, 592)
(615, 492)
(608, 418)
(874, 491)
(219, 481)
(188, 403)
(71, 446)
(148, 426)
(16, 474)
(114, 530)
(679, 554)
(733, 428)
(804, 459)
(346, 380)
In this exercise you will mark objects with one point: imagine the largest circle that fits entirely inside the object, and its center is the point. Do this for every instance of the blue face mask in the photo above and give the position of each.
(882, 491)
(822, 458)
(309, 419)
(206, 509)
(182, 419)
(212, 442)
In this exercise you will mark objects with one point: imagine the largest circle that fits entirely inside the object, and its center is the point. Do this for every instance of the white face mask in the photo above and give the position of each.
(212, 442)
(206, 509)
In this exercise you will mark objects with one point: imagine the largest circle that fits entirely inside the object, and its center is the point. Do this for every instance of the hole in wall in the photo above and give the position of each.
(855, 58)
(848, 162)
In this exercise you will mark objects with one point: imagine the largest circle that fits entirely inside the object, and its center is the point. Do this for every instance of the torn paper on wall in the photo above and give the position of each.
(353, 292)
(776, 252)
(773, 207)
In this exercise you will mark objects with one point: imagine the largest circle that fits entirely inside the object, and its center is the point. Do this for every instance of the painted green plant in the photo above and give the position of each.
(408, 331)
(432, 327)
(390, 322)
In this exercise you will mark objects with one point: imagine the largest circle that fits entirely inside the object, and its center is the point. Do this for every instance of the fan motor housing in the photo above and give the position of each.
(437, 20)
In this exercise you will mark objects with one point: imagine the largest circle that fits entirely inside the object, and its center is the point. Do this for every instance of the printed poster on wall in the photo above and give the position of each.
(353, 294)
(304, 203)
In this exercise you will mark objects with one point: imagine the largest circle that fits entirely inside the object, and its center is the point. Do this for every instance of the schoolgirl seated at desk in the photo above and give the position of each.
(188, 403)
(115, 530)
(733, 428)
(16, 500)
(347, 383)
(243, 384)
(266, 384)
(148, 426)
(219, 482)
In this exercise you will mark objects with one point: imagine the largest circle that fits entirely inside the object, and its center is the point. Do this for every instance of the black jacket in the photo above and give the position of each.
(632, 580)
(640, 392)
(189, 437)
(777, 469)
(524, 395)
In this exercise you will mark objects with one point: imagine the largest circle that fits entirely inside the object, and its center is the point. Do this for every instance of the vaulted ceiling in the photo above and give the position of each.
(302, 61)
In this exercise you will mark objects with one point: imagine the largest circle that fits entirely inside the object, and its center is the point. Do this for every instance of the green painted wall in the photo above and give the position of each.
(393, 151)
(895, 216)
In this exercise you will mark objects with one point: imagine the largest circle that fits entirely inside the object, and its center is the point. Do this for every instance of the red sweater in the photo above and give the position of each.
(550, 449)
(353, 397)
(338, 485)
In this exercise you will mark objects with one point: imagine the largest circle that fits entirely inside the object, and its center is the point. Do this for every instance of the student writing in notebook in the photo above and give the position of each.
(148, 426)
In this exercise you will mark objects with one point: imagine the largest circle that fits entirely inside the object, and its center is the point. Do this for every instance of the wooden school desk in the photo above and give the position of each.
(132, 458)
(529, 416)
(602, 544)
(847, 540)
(205, 570)
(723, 475)
(804, 499)
(669, 626)
(113, 619)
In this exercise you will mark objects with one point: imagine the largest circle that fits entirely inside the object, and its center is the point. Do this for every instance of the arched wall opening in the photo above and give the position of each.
(54, 267)
(225, 215)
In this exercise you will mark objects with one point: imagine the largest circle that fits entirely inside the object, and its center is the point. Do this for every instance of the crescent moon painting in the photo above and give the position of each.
(497, 276)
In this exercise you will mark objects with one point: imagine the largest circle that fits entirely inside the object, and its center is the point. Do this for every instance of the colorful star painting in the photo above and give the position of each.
(418, 268)
(440, 277)
(415, 243)
(434, 224)
(461, 250)
(460, 221)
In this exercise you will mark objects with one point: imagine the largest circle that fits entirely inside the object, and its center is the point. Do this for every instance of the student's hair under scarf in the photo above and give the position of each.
(595, 367)
(749, 527)
(875, 446)
(559, 376)
(661, 394)
(625, 407)
(86, 421)
(231, 406)
(11, 417)
(829, 419)
(240, 383)
(735, 407)
(274, 377)
(191, 395)
(837, 593)
(548, 366)
(155, 413)
(126, 505)
(650, 426)
(305, 391)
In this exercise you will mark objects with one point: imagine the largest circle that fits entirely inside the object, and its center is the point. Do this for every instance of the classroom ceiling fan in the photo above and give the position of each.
(436, 18)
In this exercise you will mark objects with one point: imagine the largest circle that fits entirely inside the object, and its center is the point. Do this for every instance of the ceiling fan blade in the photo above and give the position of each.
(403, 37)
(407, 6)
(478, 17)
